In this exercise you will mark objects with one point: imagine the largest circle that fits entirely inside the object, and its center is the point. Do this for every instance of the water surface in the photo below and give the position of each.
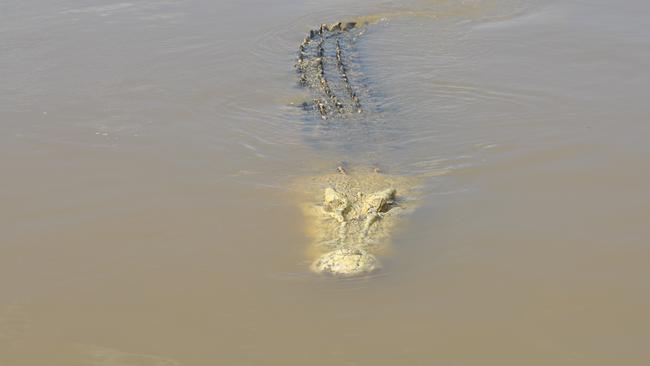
(148, 153)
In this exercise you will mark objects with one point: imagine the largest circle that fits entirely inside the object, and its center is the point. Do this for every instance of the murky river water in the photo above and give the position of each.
(149, 216)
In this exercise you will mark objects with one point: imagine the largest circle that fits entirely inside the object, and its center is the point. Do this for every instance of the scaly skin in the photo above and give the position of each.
(322, 67)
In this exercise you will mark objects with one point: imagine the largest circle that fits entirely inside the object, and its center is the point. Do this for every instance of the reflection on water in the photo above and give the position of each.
(150, 216)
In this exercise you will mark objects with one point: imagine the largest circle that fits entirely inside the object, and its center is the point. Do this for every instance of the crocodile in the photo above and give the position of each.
(354, 212)
(350, 213)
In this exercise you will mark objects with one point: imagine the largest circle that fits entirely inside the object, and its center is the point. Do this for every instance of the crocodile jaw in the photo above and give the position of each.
(346, 262)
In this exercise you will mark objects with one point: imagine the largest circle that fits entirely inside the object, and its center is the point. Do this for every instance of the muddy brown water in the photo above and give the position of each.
(149, 154)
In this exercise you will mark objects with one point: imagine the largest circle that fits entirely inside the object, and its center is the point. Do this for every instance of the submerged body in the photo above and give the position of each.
(351, 215)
